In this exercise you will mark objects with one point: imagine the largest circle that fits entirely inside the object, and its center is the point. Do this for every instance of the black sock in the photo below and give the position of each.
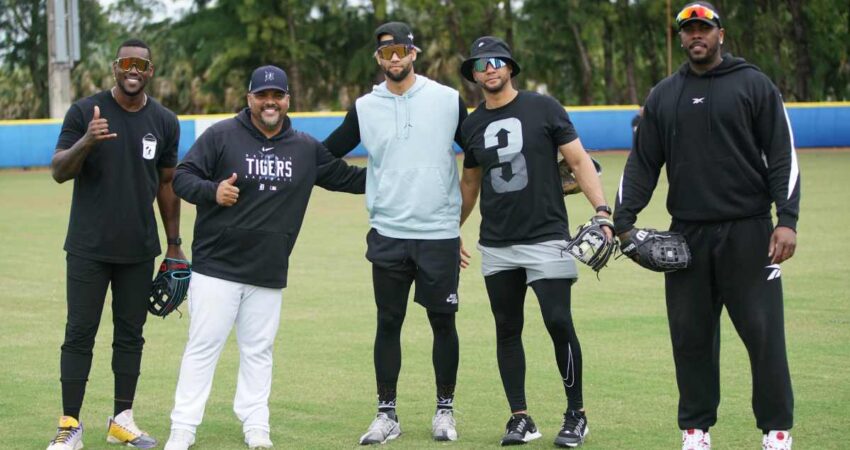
(387, 399)
(72, 398)
(125, 391)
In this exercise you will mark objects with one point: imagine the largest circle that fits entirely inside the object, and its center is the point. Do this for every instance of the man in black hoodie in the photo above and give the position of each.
(720, 127)
(251, 178)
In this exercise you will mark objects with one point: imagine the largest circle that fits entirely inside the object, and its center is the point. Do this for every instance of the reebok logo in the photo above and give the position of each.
(452, 299)
(698, 100)
(775, 272)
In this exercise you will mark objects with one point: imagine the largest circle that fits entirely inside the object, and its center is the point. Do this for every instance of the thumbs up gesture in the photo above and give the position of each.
(98, 128)
(227, 193)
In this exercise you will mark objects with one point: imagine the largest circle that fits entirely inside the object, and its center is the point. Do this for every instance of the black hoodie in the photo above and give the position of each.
(727, 145)
(250, 242)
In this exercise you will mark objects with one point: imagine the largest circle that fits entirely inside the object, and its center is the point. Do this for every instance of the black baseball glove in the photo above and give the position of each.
(591, 245)
(170, 286)
(659, 251)
(568, 180)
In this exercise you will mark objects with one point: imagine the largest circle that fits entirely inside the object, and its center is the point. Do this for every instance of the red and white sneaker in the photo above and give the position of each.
(776, 440)
(695, 440)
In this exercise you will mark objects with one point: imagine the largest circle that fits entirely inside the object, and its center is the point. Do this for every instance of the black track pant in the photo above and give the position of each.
(87, 281)
(730, 268)
(392, 288)
(507, 296)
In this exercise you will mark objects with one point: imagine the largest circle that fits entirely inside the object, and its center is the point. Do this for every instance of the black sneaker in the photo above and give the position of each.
(574, 430)
(519, 430)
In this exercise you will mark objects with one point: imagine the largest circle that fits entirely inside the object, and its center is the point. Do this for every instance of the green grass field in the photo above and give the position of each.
(323, 392)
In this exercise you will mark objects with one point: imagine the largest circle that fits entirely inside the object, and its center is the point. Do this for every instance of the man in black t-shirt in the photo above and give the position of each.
(120, 148)
(511, 143)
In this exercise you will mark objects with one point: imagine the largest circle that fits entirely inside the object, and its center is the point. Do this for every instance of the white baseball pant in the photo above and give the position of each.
(215, 305)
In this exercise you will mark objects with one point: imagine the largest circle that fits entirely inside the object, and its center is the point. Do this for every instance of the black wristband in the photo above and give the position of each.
(605, 209)
(174, 241)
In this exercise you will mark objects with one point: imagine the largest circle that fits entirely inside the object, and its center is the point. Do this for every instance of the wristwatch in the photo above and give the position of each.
(605, 209)
(175, 241)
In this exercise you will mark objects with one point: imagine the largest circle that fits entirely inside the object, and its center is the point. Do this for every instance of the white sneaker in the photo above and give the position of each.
(776, 440)
(122, 430)
(443, 426)
(180, 440)
(695, 440)
(69, 435)
(257, 438)
(382, 429)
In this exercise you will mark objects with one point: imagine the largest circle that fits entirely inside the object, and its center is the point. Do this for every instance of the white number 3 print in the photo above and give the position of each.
(505, 137)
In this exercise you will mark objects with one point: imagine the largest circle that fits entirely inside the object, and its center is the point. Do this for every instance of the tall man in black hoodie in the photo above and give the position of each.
(720, 127)
(251, 178)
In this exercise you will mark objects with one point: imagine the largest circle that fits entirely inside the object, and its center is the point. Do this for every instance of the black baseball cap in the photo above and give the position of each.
(701, 11)
(400, 32)
(488, 47)
(268, 77)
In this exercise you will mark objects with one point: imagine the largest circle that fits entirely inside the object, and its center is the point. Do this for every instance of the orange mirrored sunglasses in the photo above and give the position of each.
(386, 52)
(703, 12)
(125, 64)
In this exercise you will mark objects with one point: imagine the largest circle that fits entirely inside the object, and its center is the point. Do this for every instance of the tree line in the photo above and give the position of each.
(583, 52)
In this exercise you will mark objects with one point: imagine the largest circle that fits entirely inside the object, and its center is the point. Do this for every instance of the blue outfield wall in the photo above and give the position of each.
(30, 143)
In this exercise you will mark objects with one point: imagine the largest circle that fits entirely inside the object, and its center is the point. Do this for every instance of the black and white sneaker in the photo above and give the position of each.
(519, 430)
(574, 429)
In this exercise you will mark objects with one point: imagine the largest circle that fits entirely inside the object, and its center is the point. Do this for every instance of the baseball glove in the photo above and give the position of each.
(170, 286)
(659, 251)
(590, 244)
(568, 180)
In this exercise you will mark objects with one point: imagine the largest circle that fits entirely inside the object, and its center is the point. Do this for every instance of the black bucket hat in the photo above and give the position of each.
(488, 47)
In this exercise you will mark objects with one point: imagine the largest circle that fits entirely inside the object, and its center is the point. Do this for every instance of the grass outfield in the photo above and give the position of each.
(323, 392)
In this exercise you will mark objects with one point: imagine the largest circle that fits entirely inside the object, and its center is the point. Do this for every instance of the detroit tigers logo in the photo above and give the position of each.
(269, 76)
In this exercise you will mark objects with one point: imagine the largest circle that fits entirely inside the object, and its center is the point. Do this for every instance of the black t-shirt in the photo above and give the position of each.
(516, 147)
(112, 218)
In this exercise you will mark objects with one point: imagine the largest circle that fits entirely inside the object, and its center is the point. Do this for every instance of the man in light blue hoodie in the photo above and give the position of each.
(407, 125)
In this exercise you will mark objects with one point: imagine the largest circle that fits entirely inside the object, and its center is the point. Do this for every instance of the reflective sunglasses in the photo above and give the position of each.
(125, 64)
(700, 11)
(481, 64)
(386, 52)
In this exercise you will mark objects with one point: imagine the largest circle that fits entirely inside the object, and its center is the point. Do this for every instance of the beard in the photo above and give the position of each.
(405, 71)
(710, 54)
(267, 122)
(495, 89)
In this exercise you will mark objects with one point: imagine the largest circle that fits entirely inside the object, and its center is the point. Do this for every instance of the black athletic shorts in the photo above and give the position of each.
(434, 265)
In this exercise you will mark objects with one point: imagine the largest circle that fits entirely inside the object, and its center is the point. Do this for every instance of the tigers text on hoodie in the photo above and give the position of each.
(727, 144)
(250, 242)
(412, 187)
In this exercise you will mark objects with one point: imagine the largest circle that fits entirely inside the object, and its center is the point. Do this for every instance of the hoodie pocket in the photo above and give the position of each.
(262, 256)
(412, 196)
(716, 190)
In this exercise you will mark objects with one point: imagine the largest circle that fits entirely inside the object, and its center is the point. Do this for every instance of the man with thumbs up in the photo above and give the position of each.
(120, 148)
(250, 177)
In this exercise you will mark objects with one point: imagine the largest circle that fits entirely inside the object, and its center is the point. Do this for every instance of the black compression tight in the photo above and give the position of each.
(507, 296)
(393, 288)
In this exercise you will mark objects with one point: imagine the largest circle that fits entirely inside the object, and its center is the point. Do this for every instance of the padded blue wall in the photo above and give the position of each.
(31, 143)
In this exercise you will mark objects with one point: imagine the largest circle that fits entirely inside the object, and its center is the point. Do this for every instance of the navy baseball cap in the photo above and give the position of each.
(400, 32)
(268, 77)
(702, 11)
(488, 47)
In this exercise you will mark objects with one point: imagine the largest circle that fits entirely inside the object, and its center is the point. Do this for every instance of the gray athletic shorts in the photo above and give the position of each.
(544, 260)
